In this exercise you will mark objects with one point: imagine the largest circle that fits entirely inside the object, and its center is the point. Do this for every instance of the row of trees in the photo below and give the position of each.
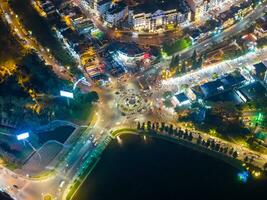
(197, 60)
(178, 45)
(178, 65)
(156, 127)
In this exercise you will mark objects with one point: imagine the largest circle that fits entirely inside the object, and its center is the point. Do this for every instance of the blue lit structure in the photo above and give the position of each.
(243, 176)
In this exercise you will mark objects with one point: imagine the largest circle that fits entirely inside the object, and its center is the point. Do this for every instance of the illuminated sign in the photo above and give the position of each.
(23, 136)
(66, 94)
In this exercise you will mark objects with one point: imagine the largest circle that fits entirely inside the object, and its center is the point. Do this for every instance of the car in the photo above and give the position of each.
(62, 183)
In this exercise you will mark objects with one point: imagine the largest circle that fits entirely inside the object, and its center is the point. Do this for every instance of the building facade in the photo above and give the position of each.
(116, 13)
(159, 15)
(201, 7)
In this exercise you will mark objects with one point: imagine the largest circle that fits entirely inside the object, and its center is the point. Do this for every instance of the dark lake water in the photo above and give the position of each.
(158, 170)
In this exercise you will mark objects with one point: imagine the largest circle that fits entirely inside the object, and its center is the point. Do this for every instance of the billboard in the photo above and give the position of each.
(23, 136)
(66, 94)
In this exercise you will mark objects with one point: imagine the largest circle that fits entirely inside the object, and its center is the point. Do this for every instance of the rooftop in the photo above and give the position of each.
(116, 8)
(221, 84)
(260, 69)
(181, 97)
(151, 6)
(129, 49)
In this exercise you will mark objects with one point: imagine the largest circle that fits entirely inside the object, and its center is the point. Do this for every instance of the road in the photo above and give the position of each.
(27, 40)
(229, 32)
(193, 78)
(154, 39)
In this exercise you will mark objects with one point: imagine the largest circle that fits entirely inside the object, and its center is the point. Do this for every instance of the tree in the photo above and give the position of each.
(208, 143)
(175, 131)
(162, 126)
(177, 60)
(199, 139)
(200, 62)
(166, 129)
(212, 145)
(149, 125)
(153, 126)
(262, 42)
(143, 126)
(231, 151)
(174, 62)
(235, 154)
(194, 60)
(217, 147)
(167, 94)
(183, 67)
(157, 125)
(190, 137)
(138, 125)
(171, 129)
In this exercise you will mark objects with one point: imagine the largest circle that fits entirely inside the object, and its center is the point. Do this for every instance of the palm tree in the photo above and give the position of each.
(162, 126)
(153, 126)
(171, 129)
(149, 125)
(138, 125)
(157, 125)
(143, 126)
(235, 154)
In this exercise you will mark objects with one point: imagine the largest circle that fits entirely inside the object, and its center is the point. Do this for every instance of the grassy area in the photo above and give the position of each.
(41, 30)
(178, 45)
(77, 110)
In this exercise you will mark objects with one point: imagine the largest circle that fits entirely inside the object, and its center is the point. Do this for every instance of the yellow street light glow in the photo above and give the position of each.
(257, 174)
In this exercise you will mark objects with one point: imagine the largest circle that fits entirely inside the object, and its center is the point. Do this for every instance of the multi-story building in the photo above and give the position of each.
(201, 7)
(102, 6)
(155, 14)
(261, 27)
(116, 13)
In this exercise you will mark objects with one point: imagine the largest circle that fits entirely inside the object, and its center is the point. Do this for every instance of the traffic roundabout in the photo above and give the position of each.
(131, 102)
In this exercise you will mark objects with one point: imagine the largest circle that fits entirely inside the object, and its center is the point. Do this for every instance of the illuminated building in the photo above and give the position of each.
(180, 100)
(260, 71)
(158, 14)
(103, 6)
(116, 13)
(201, 7)
(128, 54)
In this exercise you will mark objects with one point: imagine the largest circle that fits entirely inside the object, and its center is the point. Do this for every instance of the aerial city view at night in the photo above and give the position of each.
(133, 99)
